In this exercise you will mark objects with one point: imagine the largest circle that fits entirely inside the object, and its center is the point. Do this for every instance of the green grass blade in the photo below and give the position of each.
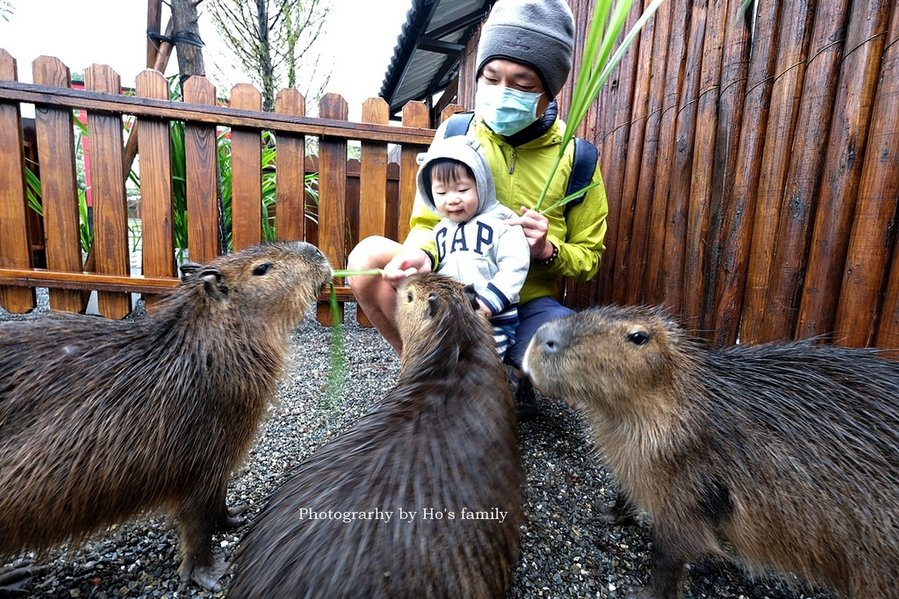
(337, 370)
(571, 197)
(356, 273)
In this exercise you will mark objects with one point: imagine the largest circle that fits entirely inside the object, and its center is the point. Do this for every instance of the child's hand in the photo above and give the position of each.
(483, 309)
(406, 264)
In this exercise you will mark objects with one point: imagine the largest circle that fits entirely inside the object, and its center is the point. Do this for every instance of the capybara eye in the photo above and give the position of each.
(261, 269)
(409, 296)
(638, 337)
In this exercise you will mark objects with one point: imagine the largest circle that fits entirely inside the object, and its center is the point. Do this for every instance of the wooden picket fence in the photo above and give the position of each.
(374, 200)
(752, 172)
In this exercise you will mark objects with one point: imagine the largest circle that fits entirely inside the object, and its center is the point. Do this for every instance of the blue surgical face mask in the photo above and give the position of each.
(506, 110)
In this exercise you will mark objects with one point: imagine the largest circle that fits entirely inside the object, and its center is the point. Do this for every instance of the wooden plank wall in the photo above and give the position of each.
(753, 172)
(381, 192)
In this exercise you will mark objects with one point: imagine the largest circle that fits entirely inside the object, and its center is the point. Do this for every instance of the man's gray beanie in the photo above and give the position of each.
(537, 33)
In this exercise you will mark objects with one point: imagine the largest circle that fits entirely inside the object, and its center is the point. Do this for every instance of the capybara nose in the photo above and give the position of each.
(549, 338)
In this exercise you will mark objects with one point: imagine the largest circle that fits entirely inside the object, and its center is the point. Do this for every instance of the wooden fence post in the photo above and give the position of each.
(201, 156)
(15, 245)
(246, 172)
(332, 221)
(154, 144)
(108, 190)
(373, 182)
(290, 184)
(59, 188)
(415, 114)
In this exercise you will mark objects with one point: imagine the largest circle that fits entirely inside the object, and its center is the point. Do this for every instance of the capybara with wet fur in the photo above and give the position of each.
(783, 457)
(422, 497)
(101, 419)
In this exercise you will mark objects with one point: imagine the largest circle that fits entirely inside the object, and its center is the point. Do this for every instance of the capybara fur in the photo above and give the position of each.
(101, 419)
(784, 456)
(441, 446)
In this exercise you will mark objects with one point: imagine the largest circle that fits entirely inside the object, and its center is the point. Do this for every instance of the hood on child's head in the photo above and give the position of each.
(465, 150)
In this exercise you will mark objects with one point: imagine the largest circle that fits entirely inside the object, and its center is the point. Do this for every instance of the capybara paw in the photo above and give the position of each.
(233, 517)
(205, 576)
(612, 513)
(641, 593)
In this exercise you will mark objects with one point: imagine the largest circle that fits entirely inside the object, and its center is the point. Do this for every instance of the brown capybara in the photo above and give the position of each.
(784, 457)
(103, 419)
(422, 497)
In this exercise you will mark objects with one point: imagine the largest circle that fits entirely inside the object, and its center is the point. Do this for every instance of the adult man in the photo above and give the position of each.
(523, 60)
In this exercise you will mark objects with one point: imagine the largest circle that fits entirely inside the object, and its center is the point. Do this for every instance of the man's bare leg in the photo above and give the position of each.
(376, 296)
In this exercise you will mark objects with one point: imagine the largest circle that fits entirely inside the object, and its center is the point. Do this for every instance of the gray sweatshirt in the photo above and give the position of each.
(484, 251)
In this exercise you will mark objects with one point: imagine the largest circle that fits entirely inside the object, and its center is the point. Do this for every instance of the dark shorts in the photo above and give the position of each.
(530, 316)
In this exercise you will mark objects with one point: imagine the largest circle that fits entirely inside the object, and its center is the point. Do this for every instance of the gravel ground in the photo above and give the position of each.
(565, 550)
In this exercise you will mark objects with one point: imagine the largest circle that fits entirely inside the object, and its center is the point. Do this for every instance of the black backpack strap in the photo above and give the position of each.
(583, 165)
(458, 124)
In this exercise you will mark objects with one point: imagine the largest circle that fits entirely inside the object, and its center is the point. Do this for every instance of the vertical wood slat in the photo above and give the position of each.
(373, 174)
(888, 324)
(203, 237)
(649, 155)
(373, 182)
(739, 205)
(876, 217)
(56, 154)
(804, 158)
(671, 284)
(332, 195)
(154, 145)
(246, 172)
(630, 224)
(290, 188)
(842, 170)
(415, 114)
(732, 90)
(695, 282)
(674, 68)
(613, 157)
(15, 245)
(783, 108)
(108, 191)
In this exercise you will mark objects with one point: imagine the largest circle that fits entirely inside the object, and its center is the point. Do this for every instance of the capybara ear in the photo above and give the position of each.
(189, 269)
(472, 297)
(212, 283)
(433, 304)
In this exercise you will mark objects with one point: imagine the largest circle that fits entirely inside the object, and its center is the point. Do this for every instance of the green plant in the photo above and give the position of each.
(598, 63)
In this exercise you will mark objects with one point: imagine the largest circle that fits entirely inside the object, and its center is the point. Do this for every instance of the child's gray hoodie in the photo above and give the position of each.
(484, 251)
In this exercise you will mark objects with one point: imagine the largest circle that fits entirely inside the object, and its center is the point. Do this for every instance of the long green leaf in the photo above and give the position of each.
(599, 60)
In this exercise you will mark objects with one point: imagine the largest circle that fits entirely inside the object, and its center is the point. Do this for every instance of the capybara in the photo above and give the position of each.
(784, 456)
(422, 497)
(102, 419)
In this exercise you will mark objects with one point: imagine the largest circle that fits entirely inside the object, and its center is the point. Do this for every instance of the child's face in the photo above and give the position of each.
(457, 200)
